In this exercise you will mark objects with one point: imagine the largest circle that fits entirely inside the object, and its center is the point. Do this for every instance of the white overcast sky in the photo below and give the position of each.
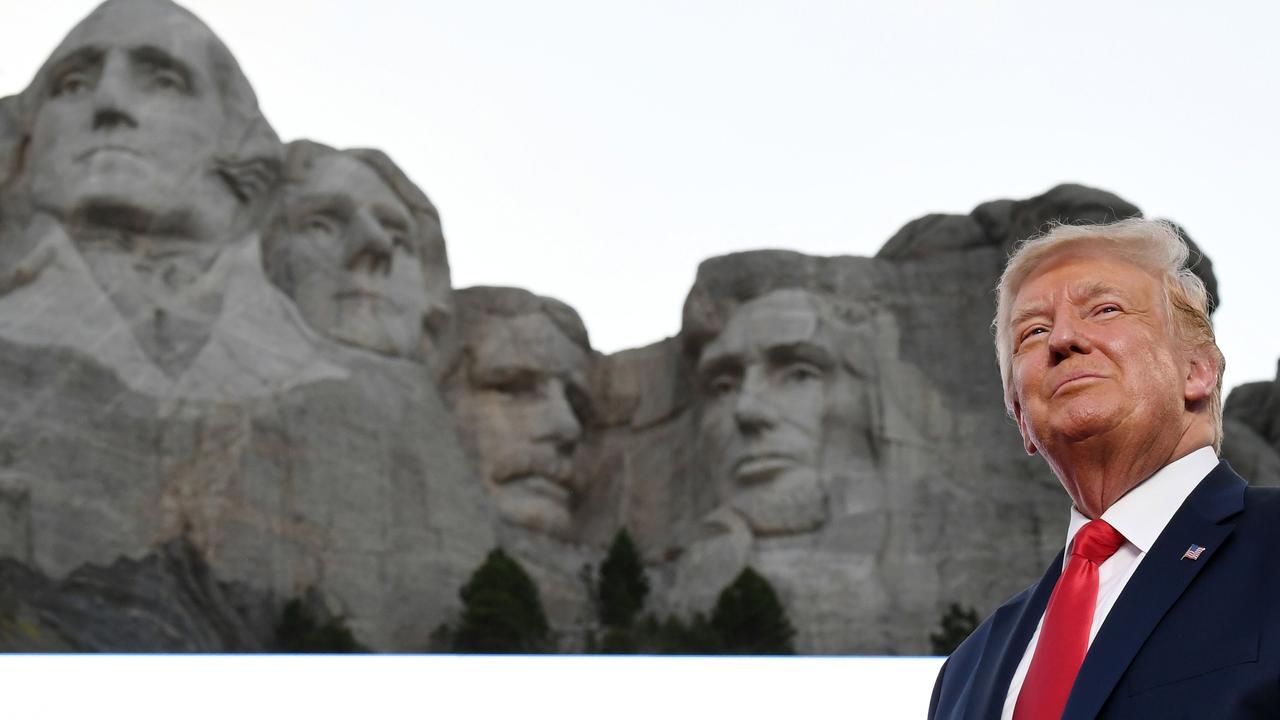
(597, 151)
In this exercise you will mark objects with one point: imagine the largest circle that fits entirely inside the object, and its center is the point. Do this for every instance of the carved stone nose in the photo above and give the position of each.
(108, 118)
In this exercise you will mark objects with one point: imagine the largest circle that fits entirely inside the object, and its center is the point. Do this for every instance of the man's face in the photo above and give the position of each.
(771, 380)
(129, 122)
(523, 404)
(352, 254)
(1093, 353)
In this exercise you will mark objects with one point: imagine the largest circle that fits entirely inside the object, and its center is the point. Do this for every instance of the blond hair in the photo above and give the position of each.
(1153, 245)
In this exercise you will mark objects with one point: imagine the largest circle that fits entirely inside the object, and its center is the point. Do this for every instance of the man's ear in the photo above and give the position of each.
(1022, 428)
(1202, 376)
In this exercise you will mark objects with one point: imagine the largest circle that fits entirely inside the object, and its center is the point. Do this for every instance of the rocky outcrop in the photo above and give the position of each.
(1251, 420)
(160, 383)
(167, 601)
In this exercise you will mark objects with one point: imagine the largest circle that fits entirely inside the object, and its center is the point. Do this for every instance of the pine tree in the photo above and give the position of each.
(748, 618)
(623, 585)
(501, 611)
(299, 631)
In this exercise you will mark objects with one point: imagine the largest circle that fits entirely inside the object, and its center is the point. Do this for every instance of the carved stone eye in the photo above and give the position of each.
(801, 372)
(320, 223)
(72, 83)
(519, 387)
(723, 384)
(166, 80)
(161, 76)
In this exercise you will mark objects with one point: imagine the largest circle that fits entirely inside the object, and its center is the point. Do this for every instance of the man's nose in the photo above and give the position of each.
(368, 245)
(111, 96)
(754, 411)
(558, 422)
(1068, 337)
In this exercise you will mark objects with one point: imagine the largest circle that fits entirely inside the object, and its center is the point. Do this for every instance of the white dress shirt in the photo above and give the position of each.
(1140, 516)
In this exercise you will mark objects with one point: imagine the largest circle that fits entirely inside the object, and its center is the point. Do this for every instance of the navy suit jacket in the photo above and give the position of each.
(1185, 638)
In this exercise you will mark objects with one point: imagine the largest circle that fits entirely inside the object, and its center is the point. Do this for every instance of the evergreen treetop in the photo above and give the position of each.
(749, 619)
(623, 585)
(502, 612)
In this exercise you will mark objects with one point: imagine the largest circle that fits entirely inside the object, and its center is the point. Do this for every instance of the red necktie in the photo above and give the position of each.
(1064, 635)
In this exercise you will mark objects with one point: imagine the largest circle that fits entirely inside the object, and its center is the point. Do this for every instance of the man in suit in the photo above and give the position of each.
(1166, 600)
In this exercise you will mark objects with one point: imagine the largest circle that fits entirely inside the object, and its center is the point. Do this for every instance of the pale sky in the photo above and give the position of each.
(597, 151)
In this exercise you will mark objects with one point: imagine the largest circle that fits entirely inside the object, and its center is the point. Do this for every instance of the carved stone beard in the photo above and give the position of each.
(793, 504)
(168, 289)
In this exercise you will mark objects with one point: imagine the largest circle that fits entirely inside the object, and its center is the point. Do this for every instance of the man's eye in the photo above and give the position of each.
(165, 79)
(722, 385)
(801, 372)
(71, 83)
(1108, 309)
(1032, 332)
(320, 223)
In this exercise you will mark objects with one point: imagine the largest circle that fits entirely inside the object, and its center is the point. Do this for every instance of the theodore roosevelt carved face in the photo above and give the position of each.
(523, 402)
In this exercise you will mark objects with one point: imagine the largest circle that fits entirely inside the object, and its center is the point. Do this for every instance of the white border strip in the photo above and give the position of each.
(502, 687)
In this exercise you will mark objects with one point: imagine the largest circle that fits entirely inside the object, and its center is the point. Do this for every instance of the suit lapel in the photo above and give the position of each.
(1012, 628)
(1162, 576)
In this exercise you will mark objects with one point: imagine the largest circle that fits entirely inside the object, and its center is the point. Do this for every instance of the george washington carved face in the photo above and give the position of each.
(129, 118)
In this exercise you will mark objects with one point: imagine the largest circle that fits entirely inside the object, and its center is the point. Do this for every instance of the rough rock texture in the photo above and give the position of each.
(159, 385)
(1251, 421)
(355, 486)
(168, 601)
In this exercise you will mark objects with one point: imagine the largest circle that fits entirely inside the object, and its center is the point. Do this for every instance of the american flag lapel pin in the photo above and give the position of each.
(1193, 552)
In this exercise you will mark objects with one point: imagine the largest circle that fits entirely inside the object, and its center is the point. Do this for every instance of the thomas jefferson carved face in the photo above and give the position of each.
(774, 392)
(350, 257)
(523, 403)
(128, 124)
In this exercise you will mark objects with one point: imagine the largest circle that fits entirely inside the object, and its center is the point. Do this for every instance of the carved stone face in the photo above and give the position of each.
(522, 404)
(129, 123)
(773, 387)
(350, 259)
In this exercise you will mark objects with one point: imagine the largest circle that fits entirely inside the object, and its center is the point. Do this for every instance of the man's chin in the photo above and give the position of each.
(130, 196)
(537, 504)
(793, 503)
(124, 179)
(361, 323)
(119, 206)
(114, 212)
(1081, 424)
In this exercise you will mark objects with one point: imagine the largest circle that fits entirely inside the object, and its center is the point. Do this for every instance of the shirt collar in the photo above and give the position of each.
(1143, 512)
